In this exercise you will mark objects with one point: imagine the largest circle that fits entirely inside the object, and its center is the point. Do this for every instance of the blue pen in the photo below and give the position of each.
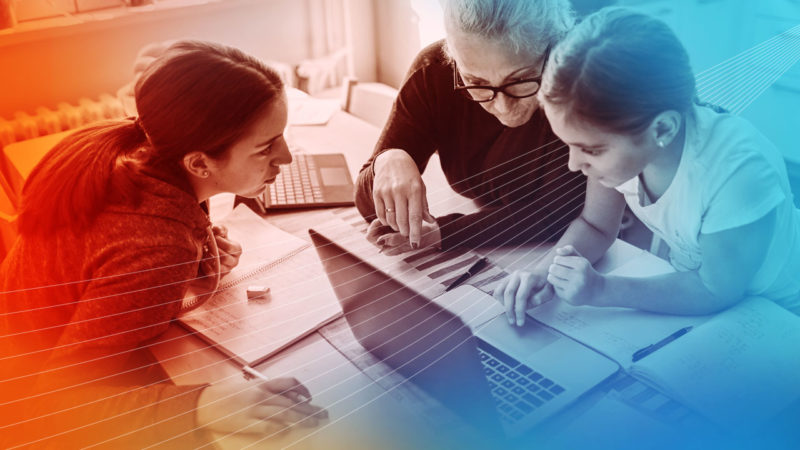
(641, 353)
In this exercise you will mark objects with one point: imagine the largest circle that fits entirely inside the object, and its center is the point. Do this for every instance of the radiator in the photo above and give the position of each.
(65, 117)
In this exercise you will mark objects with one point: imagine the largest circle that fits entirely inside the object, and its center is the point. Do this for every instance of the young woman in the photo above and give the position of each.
(113, 231)
(620, 92)
(472, 98)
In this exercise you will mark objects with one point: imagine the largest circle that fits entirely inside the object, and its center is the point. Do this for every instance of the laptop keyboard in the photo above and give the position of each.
(517, 389)
(297, 183)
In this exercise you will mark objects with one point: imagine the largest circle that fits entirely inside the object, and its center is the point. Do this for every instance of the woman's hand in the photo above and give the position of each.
(229, 251)
(398, 194)
(393, 243)
(521, 291)
(573, 277)
(257, 407)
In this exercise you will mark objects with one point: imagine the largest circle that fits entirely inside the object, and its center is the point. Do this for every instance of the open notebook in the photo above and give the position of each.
(738, 368)
(299, 299)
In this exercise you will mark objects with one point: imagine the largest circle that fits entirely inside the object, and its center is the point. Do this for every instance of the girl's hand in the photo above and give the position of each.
(257, 407)
(574, 279)
(229, 251)
(521, 291)
(393, 243)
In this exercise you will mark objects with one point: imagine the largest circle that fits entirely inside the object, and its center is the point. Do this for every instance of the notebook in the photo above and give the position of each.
(311, 180)
(298, 302)
(461, 342)
(737, 368)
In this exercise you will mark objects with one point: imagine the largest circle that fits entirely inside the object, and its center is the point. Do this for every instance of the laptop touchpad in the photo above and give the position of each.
(525, 340)
(334, 176)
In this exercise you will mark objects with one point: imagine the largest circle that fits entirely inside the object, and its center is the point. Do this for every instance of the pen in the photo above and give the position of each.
(641, 353)
(250, 373)
(473, 270)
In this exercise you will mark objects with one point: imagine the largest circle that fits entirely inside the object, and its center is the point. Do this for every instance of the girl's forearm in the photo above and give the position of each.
(681, 293)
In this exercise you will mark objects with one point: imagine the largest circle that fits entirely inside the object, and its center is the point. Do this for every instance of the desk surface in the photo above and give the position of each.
(363, 414)
(355, 402)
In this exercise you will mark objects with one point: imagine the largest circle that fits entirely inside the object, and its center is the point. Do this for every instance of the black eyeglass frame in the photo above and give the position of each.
(464, 89)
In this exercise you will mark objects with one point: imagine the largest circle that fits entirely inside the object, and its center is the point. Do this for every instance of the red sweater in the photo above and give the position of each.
(76, 313)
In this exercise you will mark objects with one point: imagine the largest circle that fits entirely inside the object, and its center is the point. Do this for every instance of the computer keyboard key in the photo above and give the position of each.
(500, 391)
(533, 388)
(523, 381)
(502, 369)
(493, 362)
(546, 383)
(516, 415)
(524, 407)
(533, 400)
(495, 352)
(545, 395)
(508, 384)
(518, 390)
(497, 377)
(556, 389)
(511, 398)
(535, 376)
(525, 370)
(512, 375)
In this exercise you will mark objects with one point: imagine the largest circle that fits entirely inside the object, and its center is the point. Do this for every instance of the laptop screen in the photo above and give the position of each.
(419, 339)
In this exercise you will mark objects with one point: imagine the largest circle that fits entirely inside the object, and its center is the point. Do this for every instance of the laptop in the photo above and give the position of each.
(496, 377)
(311, 180)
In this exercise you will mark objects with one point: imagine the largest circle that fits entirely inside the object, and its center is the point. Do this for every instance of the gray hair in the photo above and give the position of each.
(526, 25)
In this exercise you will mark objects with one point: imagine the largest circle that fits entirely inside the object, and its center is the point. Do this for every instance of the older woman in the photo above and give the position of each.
(472, 98)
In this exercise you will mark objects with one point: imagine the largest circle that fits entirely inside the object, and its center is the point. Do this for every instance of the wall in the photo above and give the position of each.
(712, 31)
(397, 34)
(43, 68)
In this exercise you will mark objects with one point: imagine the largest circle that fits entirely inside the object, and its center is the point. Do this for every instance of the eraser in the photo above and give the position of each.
(257, 292)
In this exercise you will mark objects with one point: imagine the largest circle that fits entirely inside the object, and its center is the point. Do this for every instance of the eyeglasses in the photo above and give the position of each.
(516, 89)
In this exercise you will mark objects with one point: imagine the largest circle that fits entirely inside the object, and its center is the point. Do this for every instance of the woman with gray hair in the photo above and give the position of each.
(472, 98)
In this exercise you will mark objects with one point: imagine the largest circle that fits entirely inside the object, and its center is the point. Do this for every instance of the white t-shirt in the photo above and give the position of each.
(729, 176)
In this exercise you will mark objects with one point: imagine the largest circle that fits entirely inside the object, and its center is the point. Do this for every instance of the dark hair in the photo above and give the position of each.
(619, 69)
(197, 96)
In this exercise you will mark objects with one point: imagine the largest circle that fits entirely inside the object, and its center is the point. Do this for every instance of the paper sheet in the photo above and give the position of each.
(739, 369)
(300, 299)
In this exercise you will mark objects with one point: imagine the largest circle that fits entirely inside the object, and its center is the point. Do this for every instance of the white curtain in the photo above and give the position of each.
(330, 53)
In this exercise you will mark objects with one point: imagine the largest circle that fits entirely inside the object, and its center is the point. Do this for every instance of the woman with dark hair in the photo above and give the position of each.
(619, 91)
(113, 230)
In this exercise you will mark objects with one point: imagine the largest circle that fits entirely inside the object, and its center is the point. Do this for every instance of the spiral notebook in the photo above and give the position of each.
(299, 300)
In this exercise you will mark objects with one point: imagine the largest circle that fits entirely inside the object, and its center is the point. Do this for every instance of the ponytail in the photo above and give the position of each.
(714, 107)
(77, 179)
(195, 97)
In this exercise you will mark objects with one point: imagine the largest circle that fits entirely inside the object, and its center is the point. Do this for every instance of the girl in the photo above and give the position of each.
(113, 228)
(618, 90)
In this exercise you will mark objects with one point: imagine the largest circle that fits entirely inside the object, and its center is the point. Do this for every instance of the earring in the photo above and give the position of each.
(660, 144)
(205, 174)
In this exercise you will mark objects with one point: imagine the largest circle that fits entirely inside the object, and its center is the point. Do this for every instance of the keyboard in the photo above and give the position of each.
(297, 184)
(518, 390)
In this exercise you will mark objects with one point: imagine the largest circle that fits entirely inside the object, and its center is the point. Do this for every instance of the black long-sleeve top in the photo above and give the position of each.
(519, 175)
